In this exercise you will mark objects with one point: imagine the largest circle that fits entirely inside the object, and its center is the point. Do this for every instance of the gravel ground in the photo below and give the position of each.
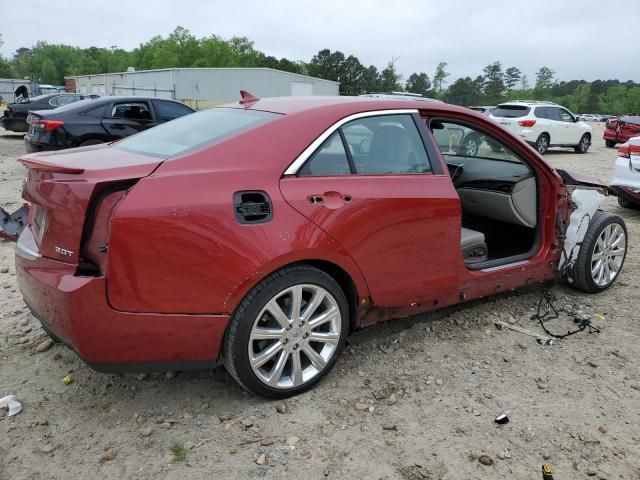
(412, 399)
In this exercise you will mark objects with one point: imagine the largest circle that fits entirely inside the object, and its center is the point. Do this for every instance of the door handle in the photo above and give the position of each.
(330, 199)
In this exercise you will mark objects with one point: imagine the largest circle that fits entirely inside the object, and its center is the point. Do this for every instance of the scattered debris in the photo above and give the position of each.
(541, 339)
(281, 407)
(45, 345)
(292, 441)
(12, 404)
(67, 379)
(392, 400)
(361, 407)
(11, 224)
(390, 427)
(108, 455)
(502, 418)
(262, 459)
(485, 460)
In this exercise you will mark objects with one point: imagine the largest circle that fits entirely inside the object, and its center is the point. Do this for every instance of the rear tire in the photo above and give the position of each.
(287, 333)
(624, 203)
(602, 253)
(542, 143)
(610, 143)
(584, 144)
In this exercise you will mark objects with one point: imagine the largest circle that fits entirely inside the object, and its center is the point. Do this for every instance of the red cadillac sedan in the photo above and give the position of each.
(262, 233)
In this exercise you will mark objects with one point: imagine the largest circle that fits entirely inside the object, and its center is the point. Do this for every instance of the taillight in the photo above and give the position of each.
(526, 123)
(624, 152)
(96, 234)
(47, 125)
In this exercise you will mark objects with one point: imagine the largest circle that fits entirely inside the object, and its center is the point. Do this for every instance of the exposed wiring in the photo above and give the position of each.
(546, 309)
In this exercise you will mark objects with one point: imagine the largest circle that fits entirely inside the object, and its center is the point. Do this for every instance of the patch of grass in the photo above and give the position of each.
(178, 451)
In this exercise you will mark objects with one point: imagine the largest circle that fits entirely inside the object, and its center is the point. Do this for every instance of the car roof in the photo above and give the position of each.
(343, 104)
(529, 102)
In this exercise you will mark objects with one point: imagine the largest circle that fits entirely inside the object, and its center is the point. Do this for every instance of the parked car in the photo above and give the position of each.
(621, 129)
(487, 110)
(544, 125)
(98, 121)
(15, 115)
(626, 174)
(262, 233)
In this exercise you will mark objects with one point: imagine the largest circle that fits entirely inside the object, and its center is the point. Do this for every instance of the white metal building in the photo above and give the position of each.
(202, 87)
(9, 85)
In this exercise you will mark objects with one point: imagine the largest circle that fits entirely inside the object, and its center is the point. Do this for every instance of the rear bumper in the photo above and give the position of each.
(75, 309)
(32, 146)
(14, 124)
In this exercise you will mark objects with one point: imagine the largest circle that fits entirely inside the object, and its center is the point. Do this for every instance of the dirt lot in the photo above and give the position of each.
(433, 385)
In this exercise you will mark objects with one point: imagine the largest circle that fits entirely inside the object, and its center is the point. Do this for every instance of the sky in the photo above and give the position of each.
(578, 39)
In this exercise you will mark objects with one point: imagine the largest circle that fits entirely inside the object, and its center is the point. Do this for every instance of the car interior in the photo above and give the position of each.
(498, 195)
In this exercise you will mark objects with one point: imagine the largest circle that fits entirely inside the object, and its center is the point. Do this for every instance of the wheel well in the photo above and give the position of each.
(546, 134)
(346, 284)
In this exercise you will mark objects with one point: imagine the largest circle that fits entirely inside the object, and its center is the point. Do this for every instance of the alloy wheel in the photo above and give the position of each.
(608, 255)
(294, 336)
(542, 144)
(584, 143)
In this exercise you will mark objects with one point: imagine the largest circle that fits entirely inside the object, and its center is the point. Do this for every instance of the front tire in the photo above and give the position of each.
(610, 143)
(287, 333)
(602, 253)
(542, 143)
(584, 144)
(471, 145)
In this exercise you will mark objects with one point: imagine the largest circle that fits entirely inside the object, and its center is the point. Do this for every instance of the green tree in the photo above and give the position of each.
(544, 79)
(390, 79)
(439, 77)
(494, 86)
(418, 83)
(512, 77)
(465, 91)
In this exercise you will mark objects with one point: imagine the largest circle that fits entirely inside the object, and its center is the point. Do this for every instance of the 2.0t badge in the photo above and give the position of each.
(63, 251)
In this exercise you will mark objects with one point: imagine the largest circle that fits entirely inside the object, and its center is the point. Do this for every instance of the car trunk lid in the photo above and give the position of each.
(62, 187)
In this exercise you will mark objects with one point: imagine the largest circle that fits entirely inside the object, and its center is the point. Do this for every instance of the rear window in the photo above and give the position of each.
(511, 111)
(193, 131)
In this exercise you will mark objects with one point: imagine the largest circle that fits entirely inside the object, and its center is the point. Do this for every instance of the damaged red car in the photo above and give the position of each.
(262, 233)
(621, 129)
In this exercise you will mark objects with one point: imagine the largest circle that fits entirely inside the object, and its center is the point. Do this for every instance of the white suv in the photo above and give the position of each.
(544, 125)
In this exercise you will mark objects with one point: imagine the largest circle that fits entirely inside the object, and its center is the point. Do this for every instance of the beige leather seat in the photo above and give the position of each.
(474, 248)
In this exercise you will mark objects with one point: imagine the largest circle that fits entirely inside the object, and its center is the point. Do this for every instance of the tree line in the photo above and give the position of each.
(49, 64)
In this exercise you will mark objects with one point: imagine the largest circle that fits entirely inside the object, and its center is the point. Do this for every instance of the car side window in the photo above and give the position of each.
(553, 113)
(131, 110)
(540, 112)
(461, 143)
(330, 159)
(386, 144)
(565, 116)
(167, 111)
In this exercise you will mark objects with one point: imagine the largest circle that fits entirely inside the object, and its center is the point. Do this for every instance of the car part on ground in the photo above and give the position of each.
(11, 224)
(98, 121)
(270, 251)
(544, 125)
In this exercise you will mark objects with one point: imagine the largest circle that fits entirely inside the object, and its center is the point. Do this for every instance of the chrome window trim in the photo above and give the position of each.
(25, 252)
(304, 156)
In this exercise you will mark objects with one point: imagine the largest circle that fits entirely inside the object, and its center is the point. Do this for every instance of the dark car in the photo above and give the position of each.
(15, 115)
(264, 232)
(98, 121)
